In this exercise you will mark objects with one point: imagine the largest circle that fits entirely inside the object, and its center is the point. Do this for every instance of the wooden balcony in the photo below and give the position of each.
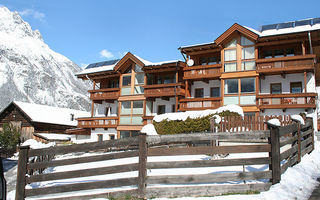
(147, 120)
(105, 94)
(284, 101)
(200, 103)
(202, 72)
(98, 122)
(290, 64)
(164, 90)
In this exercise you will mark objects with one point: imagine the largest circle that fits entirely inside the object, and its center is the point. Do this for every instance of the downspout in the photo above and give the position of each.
(175, 89)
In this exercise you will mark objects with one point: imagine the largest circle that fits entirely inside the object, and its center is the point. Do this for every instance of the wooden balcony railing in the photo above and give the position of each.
(292, 63)
(200, 103)
(98, 122)
(283, 101)
(202, 71)
(105, 94)
(160, 90)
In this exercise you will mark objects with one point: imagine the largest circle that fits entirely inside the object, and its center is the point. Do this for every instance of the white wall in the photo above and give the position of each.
(106, 133)
(80, 139)
(206, 87)
(160, 101)
(311, 82)
(285, 82)
(100, 109)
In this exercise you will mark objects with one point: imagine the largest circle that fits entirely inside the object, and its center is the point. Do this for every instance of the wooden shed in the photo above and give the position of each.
(34, 118)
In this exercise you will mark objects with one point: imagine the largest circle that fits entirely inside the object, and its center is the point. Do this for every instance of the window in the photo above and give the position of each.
(279, 53)
(209, 60)
(248, 53)
(198, 93)
(242, 97)
(126, 80)
(233, 43)
(125, 134)
(230, 67)
(148, 108)
(276, 53)
(275, 88)
(215, 92)
(296, 87)
(100, 137)
(173, 108)
(248, 65)
(247, 85)
(111, 137)
(231, 86)
(230, 55)
(161, 109)
(246, 42)
(131, 113)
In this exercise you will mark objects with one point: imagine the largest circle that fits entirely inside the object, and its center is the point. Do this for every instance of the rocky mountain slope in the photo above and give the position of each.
(30, 71)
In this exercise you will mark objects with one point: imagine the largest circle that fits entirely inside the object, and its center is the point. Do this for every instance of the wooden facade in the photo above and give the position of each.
(234, 69)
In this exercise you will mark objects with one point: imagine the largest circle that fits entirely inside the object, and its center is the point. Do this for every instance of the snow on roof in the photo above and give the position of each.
(195, 114)
(145, 62)
(37, 145)
(55, 136)
(49, 114)
(283, 31)
(149, 130)
(194, 45)
(97, 69)
(164, 62)
(274, 122)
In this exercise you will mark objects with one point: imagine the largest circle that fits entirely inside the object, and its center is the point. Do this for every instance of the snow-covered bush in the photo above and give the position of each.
(190, 125)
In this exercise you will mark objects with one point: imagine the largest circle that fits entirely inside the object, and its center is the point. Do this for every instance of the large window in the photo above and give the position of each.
(133, 81)
(161, 78)
(209, 60)
(296, 87)
(279, 52)
(233, 61)
(131, 112)
(239, 91)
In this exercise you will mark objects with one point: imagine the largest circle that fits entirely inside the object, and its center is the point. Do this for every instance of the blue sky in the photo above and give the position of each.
(88, 31)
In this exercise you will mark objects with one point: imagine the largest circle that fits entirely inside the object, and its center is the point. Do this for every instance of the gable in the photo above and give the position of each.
(232, 30)
(13, 113)
(126, 61)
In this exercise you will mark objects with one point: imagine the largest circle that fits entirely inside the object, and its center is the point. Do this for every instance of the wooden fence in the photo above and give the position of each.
(249, 123)
(295, 138)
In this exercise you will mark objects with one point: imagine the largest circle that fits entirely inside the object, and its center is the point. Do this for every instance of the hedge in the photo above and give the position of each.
(200, 124)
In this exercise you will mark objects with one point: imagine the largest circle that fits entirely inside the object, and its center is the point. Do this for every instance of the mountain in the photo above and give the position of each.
(32, 72)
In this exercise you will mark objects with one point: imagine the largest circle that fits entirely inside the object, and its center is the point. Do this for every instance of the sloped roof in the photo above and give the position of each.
(50, 114)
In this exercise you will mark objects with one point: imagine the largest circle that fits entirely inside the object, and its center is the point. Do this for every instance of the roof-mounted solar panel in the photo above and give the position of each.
(104, 63)
(316, 21)
(285, 25)
(268, 27)
(303, 22)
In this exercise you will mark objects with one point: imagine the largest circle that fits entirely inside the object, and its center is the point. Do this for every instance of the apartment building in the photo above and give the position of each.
(271, 71)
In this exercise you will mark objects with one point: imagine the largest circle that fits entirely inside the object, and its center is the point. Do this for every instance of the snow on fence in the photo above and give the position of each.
(284, 147)
(248, 123)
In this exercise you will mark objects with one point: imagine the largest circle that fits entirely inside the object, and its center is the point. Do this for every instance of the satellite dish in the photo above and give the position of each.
(190, 63)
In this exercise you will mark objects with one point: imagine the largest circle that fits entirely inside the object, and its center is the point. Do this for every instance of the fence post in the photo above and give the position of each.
(299, 139)
(21, 173)
(142, 165)
(311, 120)
(275, 153)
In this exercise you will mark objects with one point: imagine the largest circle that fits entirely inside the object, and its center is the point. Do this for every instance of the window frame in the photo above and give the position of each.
(158, 109)
(211, 95)
(274, 84)
(291, 87)
(196, 94)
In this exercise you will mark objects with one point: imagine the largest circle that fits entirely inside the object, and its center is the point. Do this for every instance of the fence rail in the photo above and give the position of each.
(284, 146)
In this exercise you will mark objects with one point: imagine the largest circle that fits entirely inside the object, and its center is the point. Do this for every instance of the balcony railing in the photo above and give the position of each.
(200, 103)
(160, 90)
(283, 101)
(104, 94)
(98, 122)
(292, 63)
(202, 71)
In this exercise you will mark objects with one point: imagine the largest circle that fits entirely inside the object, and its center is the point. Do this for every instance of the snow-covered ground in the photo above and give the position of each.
(296, 183)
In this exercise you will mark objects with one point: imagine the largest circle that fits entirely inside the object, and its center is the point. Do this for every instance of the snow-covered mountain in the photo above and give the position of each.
(30, 71)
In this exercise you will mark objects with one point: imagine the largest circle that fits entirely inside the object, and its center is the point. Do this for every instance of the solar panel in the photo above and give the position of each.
(316, 20)
(104, 63)
(285, 25)
(268, 27)
(303, 22)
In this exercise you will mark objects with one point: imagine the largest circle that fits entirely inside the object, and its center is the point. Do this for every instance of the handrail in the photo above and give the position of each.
(202, 67)
(95, 118)
(163, 85)
(201, 99)
(261, 96)
(287, 58)
(104, 90)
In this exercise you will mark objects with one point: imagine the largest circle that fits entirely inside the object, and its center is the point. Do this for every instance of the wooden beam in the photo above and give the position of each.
(303, 48)
(305, 82)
